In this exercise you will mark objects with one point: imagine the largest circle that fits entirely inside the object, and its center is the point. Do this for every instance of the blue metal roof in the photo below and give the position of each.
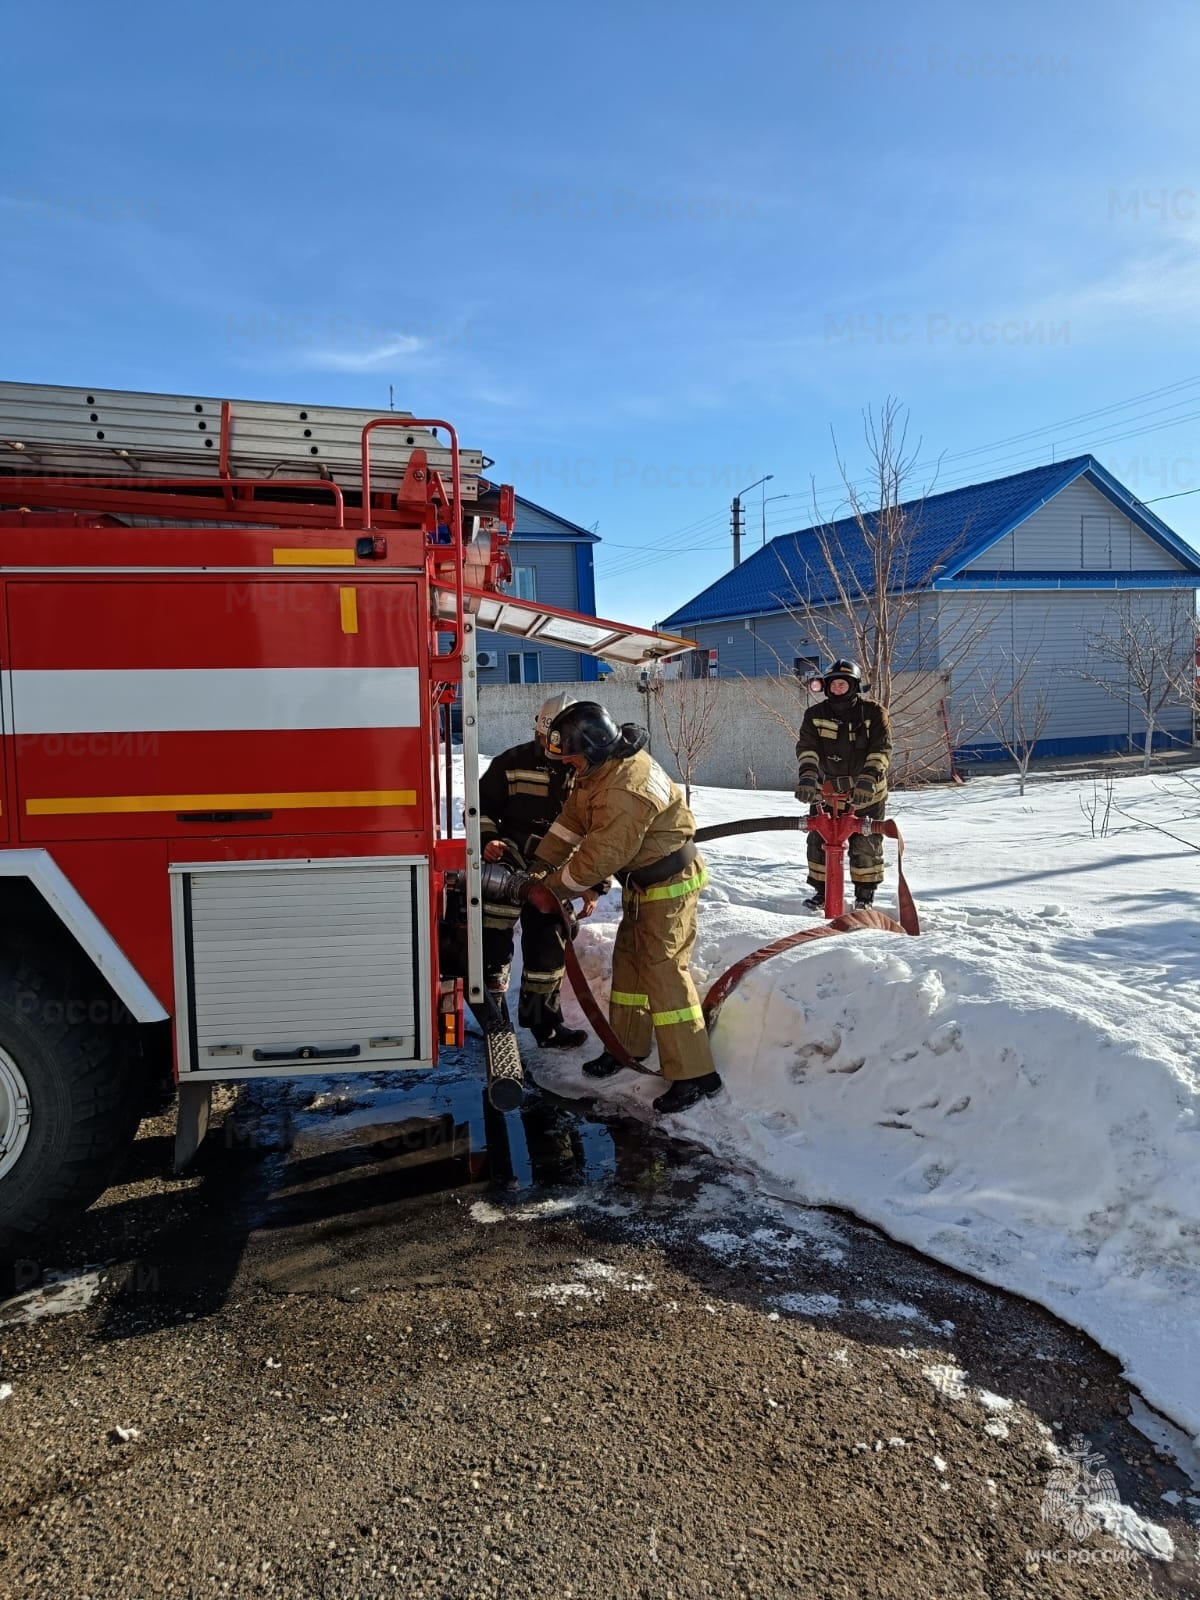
(951, 531)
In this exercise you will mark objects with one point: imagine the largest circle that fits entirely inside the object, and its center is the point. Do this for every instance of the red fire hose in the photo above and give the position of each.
(850, 922)
(546, 900)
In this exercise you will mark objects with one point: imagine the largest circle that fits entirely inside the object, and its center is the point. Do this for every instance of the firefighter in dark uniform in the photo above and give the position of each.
(520, 795)
(845, 741)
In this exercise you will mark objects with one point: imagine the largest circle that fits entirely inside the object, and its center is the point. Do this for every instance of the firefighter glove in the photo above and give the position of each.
(864, 790)
(807, 788)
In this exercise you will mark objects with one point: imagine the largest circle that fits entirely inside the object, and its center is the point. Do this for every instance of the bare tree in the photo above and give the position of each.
(1192, 788)
(1018, 710)
(1143, 657)
(868, 574)
(863, 589)
(688, 707)
(1098, 811)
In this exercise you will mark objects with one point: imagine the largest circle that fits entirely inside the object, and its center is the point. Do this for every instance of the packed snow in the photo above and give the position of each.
(1015, 1093)
(592, 1280)
(61, 1294)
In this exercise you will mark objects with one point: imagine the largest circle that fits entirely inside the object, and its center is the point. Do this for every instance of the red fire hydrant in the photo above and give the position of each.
(835, 826)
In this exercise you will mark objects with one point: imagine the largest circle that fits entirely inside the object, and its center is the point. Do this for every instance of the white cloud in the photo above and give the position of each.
(391, 352)
(1161, 283)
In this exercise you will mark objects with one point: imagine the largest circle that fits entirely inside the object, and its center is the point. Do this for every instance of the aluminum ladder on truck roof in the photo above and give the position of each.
(47, 429)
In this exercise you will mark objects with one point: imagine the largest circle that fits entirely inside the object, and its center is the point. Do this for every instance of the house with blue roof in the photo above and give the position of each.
(552, 564)
(1006, 579)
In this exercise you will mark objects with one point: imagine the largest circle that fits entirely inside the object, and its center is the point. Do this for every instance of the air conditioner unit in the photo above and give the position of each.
(489, 658)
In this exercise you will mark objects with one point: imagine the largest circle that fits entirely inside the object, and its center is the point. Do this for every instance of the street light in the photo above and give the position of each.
(766, 502)
(736, 510)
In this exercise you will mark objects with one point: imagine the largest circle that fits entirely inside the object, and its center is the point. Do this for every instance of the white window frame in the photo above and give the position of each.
(524, 583)
(521, 657)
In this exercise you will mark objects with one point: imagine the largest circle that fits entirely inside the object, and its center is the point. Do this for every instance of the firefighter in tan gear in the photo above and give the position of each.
(625, 818)
(845, 742)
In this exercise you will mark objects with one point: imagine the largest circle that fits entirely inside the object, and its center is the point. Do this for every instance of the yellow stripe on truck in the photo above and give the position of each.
(294, 800)
(341, 557)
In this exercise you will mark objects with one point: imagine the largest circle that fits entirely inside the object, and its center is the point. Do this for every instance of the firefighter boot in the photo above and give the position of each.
(541, 1015)
(605, 1066)
(561, 1037)
(815, 901)
(864, 896)
(687, 1092)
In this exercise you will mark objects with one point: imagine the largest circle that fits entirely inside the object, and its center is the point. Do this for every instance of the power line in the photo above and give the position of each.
(1050, 428)
(1021, 460)
(665, 548)
(1178, 496)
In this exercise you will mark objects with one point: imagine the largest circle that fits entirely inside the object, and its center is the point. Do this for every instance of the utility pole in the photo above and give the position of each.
(736, 516)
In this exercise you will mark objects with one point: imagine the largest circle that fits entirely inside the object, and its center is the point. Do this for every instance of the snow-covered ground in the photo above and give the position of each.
(1015, 1092)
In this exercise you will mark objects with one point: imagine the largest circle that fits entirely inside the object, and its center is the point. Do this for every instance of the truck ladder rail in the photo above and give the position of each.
(47, 428)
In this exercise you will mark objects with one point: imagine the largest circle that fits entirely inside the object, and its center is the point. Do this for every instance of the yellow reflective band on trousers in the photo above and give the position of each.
(650, 968)
(664, 1019)
(676, 891)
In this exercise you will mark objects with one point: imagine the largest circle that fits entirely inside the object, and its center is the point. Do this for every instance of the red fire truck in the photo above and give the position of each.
(231, 635)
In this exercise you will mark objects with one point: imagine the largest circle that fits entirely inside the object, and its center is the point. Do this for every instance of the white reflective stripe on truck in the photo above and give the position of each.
(213, 699)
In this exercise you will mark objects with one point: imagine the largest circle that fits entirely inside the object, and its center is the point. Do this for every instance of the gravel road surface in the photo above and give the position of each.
(379, 1344)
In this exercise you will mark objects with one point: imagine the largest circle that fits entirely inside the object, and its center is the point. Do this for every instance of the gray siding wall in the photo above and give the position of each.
(532, 519)
(554, 561)
(758, 647)
(753, 647)
(1005, 631)
(1080, 530)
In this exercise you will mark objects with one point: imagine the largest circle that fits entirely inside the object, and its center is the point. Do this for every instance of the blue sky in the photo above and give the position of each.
(640, 254)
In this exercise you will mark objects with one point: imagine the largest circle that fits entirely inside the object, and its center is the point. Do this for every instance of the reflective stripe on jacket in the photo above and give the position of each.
(520, 795)
(842, 741)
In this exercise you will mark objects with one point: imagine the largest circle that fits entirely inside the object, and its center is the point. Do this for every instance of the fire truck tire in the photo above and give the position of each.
(68, 1101)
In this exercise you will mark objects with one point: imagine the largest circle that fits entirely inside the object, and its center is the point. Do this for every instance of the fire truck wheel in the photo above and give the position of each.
(68, 1101)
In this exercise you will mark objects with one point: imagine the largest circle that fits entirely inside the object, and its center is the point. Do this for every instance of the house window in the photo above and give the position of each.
(524, 587)
(524, 666)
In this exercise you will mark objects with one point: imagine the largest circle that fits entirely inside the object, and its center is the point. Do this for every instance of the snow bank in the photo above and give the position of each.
(1015, 1093)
